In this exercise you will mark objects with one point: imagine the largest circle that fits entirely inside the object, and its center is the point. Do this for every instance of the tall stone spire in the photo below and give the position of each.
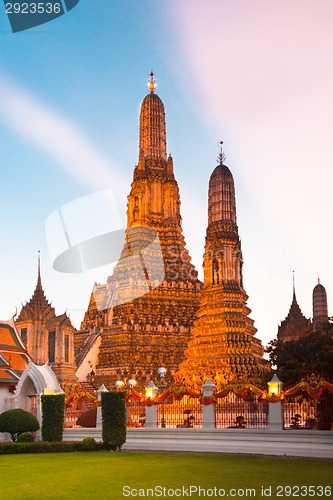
(319, 307)
(223, 347)
(152, 137)
(152, 296)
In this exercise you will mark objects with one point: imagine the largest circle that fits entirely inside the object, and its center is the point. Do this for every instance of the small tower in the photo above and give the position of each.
(319, 307)
(47, 337)
(223, 347)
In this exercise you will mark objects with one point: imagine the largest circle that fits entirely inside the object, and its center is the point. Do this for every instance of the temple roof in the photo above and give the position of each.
(38, 305)
(296, 325)
(13, 355)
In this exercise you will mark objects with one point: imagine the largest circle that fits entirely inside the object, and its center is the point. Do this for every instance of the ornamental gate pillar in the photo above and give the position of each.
(208, 410)
(99, 407)
(151, 410)
(275, 416)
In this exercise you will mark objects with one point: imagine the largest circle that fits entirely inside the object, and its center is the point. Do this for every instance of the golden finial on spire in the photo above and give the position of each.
(152, 83)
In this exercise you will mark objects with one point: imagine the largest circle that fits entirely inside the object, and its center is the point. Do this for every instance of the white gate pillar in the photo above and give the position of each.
(99, 407)
(208, 411)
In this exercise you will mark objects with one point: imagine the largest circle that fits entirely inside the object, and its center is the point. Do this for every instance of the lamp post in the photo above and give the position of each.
(275, 410)
(151, 409)
(162, 372)
(119, 384)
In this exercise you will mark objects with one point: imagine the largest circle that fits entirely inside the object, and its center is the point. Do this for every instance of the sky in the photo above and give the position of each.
(256, 74)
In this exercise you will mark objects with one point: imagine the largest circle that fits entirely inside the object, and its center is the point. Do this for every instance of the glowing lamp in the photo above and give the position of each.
(119, 384)
(274, 386)
(132, 382)
(151, 390)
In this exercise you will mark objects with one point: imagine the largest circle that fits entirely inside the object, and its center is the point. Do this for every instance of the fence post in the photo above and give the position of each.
(208, 411)
(275, 416)
(99, 407)
(151, 411)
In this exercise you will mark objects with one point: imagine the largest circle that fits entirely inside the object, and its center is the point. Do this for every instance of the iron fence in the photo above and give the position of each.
(303, 412)
(136, 413)
(186, 413)
(75, 410)
(236, 413)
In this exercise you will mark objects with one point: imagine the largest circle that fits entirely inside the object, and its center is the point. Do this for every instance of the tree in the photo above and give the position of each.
(18, 421)
(53, 408)
(114, 419)
(299, 358)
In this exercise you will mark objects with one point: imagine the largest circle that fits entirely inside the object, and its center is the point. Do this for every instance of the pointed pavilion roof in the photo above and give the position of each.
(38, 305)
(295, 325)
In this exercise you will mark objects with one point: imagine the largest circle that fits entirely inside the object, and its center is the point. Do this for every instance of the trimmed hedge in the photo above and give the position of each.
(17, 421)
(47, 447)
(53, 409)
(114, 419)
(25, 437)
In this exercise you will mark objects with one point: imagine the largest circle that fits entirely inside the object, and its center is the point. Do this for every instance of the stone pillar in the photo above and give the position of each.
(208, 411)
(151, 411)
(275, 416)
(151, 417)
(39, 416)
(99, 407)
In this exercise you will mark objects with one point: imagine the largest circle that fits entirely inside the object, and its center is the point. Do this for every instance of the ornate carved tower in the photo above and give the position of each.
(223, 347)
(152, 296)
(319, 307)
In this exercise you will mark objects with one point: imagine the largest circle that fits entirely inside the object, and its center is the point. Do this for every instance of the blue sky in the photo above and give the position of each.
(256, 74)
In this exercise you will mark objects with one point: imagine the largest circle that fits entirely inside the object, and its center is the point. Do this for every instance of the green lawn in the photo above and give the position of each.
(103, 475)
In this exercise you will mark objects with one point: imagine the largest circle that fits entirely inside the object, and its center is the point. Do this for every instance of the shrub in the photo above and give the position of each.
(45, 447)
(88, 419)
(88, 444)
(25, 437)
(53, 408)
(38, 447)
(18, 421)
(114, 419)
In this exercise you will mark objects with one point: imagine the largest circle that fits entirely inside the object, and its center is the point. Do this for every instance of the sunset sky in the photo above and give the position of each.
(256, 74)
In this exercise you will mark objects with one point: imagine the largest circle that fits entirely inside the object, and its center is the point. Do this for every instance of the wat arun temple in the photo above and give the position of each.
(154, 311)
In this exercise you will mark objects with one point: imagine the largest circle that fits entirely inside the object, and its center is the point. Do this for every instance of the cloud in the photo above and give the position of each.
(39, 124)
